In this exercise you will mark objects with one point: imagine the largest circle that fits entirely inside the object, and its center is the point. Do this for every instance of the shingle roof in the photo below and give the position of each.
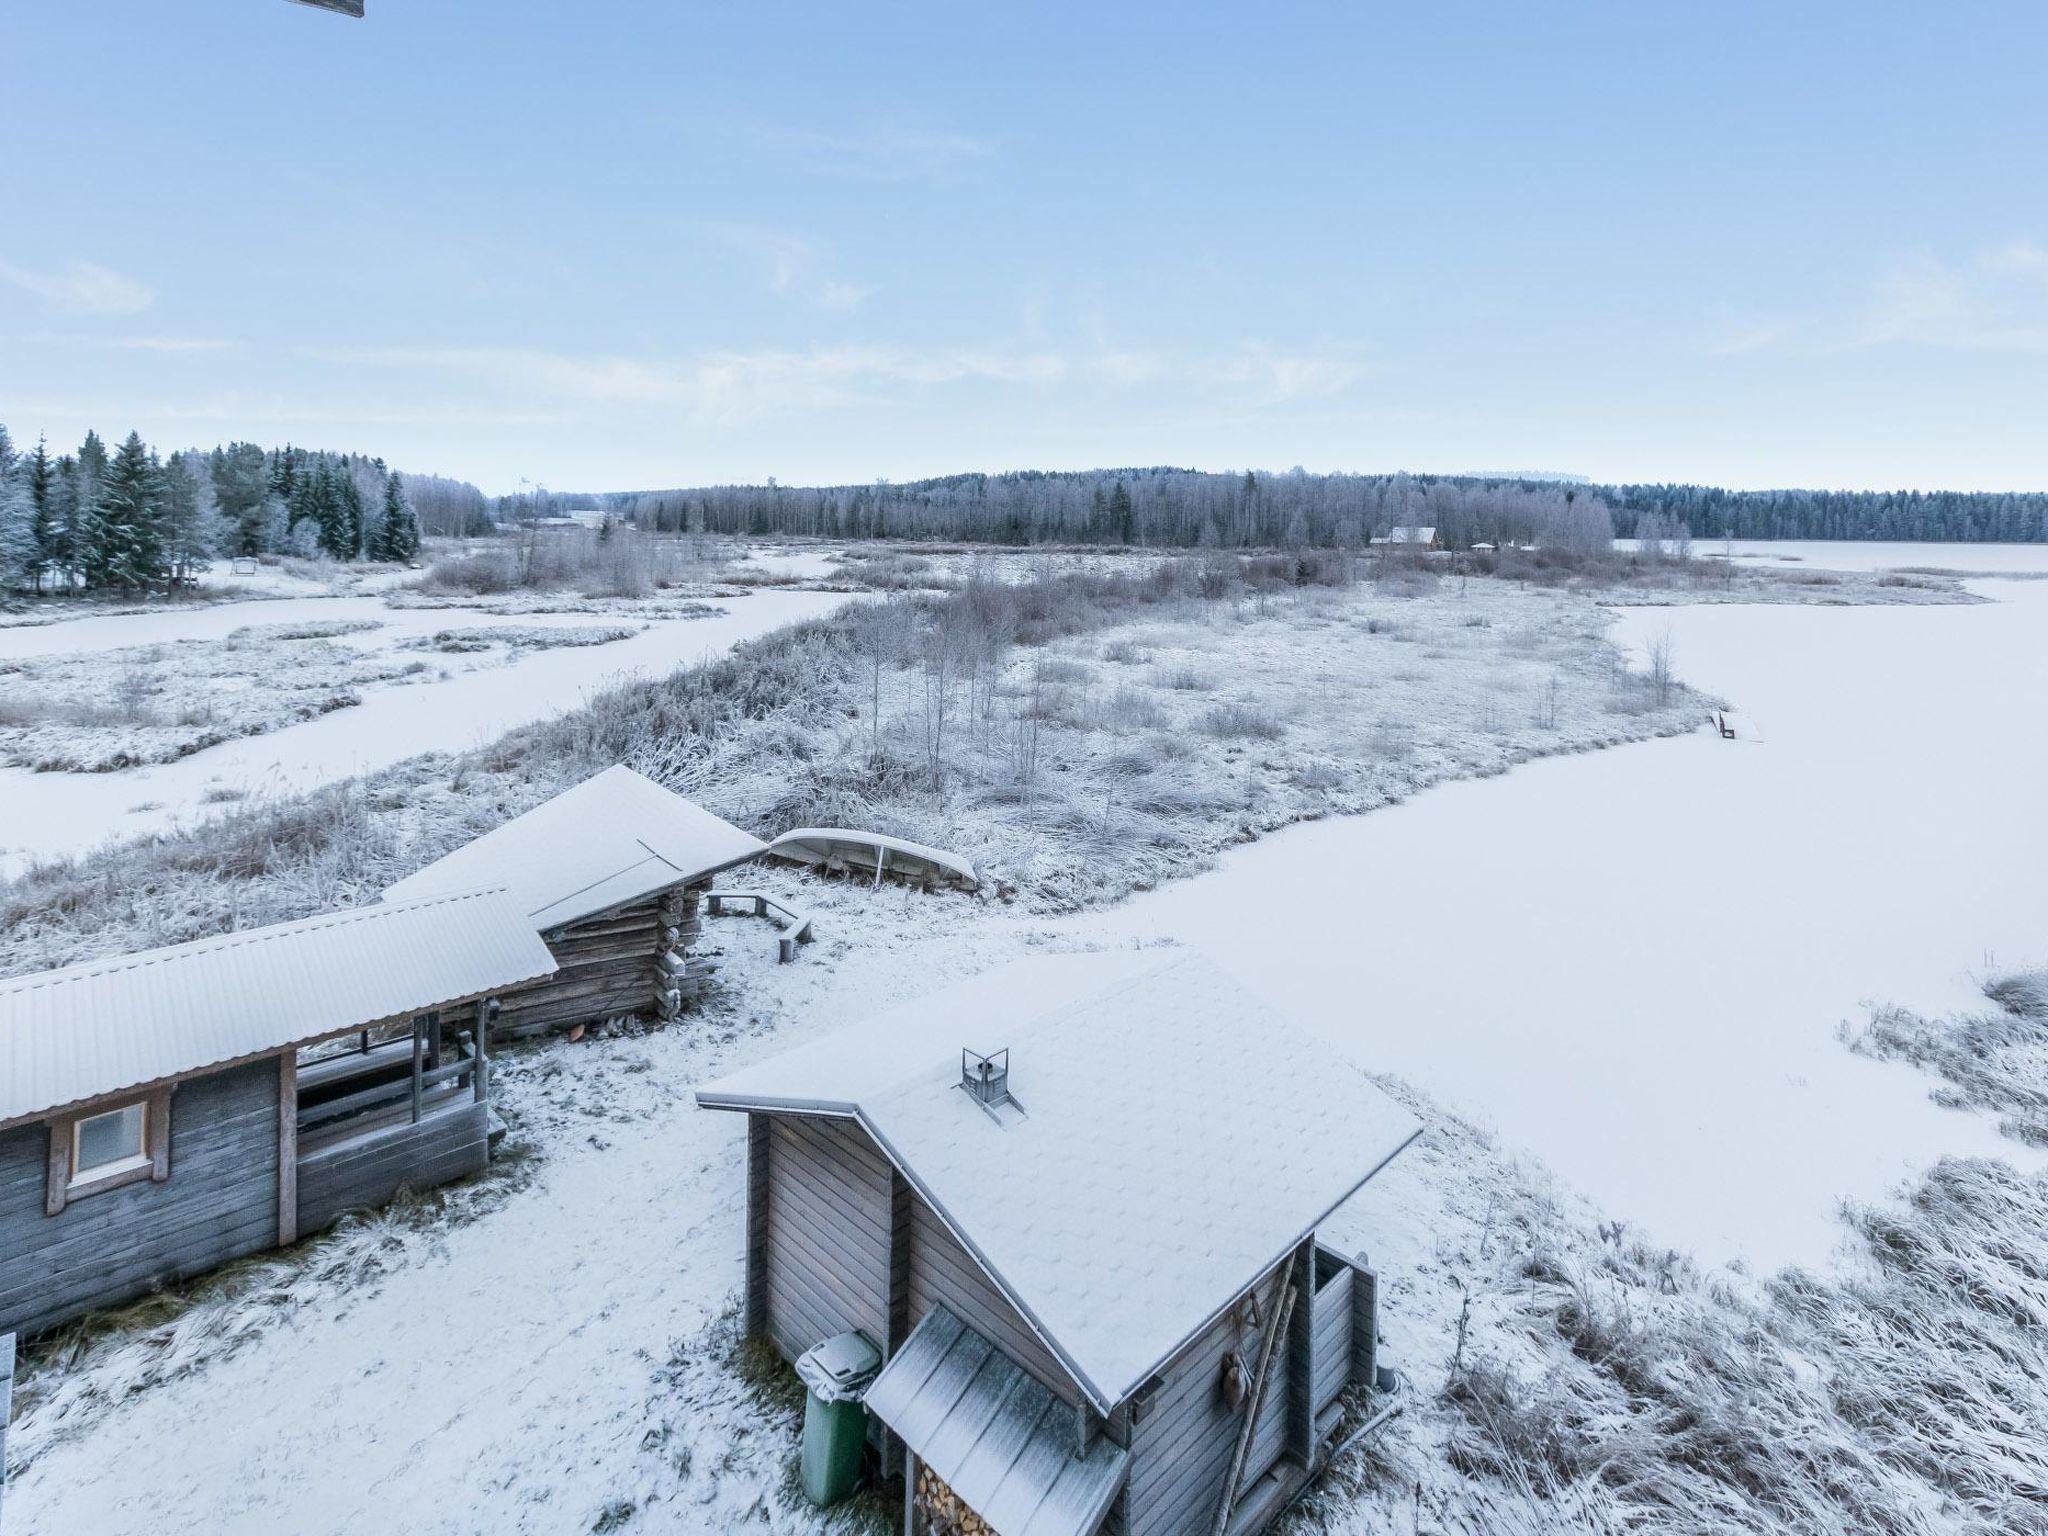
(613, 839)
(998, 1439)
(94, 1029)
(1179, 1137)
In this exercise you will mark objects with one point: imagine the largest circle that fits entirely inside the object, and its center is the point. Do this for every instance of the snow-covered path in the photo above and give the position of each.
(1633, 963)
(47, 815)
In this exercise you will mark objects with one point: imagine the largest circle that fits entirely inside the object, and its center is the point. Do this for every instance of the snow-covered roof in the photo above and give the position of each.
(1178, 1138)
(89, 1030)
(998, 1439)
(616, 838)
(814, 845)
(1412, 535)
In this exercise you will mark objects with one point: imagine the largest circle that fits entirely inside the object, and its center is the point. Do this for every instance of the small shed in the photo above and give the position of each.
(164, 1112)
(610, 874)
(1075, 1204)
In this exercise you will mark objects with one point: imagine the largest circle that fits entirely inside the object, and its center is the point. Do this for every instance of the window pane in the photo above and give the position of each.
(113, 1137)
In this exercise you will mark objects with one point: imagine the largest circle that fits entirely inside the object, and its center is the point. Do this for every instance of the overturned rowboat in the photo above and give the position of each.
(843, 851)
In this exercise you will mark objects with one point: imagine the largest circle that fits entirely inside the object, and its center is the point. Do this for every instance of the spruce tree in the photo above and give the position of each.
(17, 514)
(121, 543)
(43, 513)
(398, 535)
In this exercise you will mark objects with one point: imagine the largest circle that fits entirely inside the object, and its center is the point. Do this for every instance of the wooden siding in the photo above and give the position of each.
(826, 1255)
(450, 1143)
(608, 968)
(219, 1203)
(1333, 1333)
(944, 1273)
(1180, 1448)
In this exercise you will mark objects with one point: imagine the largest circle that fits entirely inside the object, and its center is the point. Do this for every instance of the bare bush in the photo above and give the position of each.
(1241, 720)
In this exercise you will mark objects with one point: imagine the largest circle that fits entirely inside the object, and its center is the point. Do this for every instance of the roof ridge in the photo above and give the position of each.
(235, 938)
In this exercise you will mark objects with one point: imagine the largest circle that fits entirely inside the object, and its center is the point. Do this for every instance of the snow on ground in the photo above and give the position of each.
(1630, 961)
(1875, 555)
(1634, 963)
(53, 815)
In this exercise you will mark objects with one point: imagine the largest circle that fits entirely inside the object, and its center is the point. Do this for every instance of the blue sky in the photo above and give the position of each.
(623, 243)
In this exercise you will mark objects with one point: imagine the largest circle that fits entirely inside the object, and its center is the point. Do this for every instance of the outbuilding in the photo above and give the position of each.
(164, 1112)
(1423, 537)
(611, 875)
(1074, 1204)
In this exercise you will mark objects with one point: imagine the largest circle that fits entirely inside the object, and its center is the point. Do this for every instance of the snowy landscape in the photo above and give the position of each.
(1068, 771)
(1581, 1076)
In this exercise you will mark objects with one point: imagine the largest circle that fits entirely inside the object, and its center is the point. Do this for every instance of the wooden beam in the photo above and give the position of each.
(418, 1087)
(6, 1403)
(480, 1080)
(287, 1148)
(1301, 1360)
(758, 1136)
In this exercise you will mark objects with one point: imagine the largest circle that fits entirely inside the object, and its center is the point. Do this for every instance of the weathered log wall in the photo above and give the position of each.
(631, 963)
(219, 1203)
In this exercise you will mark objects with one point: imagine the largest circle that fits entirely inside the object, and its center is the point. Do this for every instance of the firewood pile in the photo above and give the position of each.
(943, 1512)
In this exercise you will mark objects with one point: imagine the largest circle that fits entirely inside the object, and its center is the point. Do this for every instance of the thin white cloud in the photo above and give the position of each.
(83, 288)
(879, 153)
(1994, 300)
(792, 265)
(751, 383)
(173, 344)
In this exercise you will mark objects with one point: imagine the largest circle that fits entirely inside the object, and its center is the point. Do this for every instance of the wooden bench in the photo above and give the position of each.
(792, 927)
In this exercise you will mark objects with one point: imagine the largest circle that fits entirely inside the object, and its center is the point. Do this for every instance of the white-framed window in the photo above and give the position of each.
(111, 1142)
(107, 1146)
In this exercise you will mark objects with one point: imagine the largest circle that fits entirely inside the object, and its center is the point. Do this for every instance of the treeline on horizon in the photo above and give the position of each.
(1181, 508)
(127, 519)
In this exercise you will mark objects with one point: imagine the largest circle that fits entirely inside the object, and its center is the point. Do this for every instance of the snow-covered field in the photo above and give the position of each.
(1631, 963)
(50, 815)
(1634, 963)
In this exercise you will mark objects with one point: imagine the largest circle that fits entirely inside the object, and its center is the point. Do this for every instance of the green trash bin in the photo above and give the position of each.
(835, 1374)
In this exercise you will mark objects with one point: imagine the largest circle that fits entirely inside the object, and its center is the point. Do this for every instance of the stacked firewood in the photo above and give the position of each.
(943, 1512)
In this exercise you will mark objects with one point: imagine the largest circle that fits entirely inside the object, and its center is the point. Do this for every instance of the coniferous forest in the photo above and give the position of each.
(127, 519)
(1189, 509)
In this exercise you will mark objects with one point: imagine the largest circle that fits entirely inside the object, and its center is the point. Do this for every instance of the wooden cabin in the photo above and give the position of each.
(1413, 537)
(162, 1113)
(611, 874)
(1074, 1203)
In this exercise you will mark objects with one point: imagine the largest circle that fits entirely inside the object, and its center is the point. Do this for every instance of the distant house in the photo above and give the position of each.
(1414, 537)
(610, 874)
(164, 1112)
(1089, 1258)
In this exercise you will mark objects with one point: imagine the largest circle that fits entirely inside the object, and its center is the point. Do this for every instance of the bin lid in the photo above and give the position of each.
(839, 1367)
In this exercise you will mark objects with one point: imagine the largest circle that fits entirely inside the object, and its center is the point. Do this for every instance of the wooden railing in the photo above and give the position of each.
(792, 927)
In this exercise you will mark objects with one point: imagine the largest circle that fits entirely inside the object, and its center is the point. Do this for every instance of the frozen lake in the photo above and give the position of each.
(47, 815)
(1857, 555)
(1633, 963)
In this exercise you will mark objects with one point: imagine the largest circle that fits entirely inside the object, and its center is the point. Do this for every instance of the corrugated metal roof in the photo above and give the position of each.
(998, 1438)
(613, 839)
(1179, 1137)
(89, 1030)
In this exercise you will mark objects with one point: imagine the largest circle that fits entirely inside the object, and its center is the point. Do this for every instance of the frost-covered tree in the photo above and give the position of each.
(398, 526)
(193, 529)
(241, 487)
(17, 520)
(121, 540)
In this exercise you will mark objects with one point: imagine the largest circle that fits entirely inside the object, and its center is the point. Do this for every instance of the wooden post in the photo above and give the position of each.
(758, 1131)
(418, 1040)
(1365, 1324)
(434, 1039)
(909, 1492)
(480, 1073)
(1301, 1361)
(287, 1148)
(6, 1404)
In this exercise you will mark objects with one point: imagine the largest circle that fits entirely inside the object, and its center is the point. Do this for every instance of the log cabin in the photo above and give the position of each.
(162, 1113)
(1074, 1203)
(611, 874)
